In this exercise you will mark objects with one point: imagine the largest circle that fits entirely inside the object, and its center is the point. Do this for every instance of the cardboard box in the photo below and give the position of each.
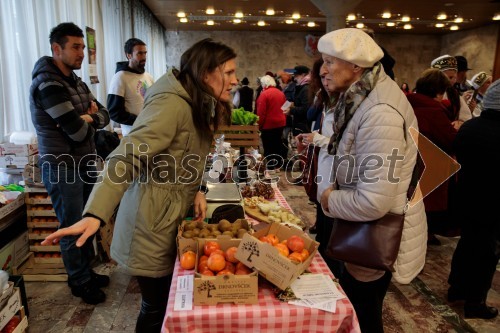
(12, 206)
(238, 289)
(274, 267)
(18, 150)
(10, 309)
(14, 253)
(189, 244)
(6, 294)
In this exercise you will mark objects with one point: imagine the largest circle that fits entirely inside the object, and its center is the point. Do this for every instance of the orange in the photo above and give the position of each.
(273, 239)
(295, 256)
(216, 262)
(283, 249)
(295, 243)
(210, 247)
(188, 260)
(230, 255)
(305, 254)
(207, 272)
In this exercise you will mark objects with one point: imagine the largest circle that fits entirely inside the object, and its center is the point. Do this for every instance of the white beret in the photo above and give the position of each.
(479, 79)
(352, 45)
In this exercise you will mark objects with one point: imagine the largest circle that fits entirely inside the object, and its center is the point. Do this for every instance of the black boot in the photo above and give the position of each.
(99, 280)
(479, 310)
(89, 292)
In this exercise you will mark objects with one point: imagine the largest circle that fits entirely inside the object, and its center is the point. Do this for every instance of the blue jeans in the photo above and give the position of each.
(69, 190)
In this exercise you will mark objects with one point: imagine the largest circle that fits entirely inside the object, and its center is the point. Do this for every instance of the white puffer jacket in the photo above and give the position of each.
(375, 130)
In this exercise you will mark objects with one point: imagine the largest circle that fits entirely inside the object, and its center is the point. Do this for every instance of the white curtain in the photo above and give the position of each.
(25, 26)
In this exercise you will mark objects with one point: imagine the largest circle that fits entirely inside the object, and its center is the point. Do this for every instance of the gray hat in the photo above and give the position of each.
(491, 99)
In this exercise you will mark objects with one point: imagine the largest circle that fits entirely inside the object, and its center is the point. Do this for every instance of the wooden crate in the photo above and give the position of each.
(240, 135)
(36, 271)
(104, 238)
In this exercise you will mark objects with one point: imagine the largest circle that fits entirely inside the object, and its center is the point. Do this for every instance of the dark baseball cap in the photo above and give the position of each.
(301, 70)
(462, 65)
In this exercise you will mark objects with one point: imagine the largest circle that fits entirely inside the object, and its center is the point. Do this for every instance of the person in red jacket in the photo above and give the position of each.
(434, 124)
(272, 120)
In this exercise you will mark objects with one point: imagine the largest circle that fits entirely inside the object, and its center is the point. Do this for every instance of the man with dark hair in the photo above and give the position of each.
(462, 67)
(128, 85)
(244, 96)
(66, 116)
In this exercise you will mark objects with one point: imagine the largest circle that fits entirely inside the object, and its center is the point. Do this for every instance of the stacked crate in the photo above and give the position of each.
(45, 263)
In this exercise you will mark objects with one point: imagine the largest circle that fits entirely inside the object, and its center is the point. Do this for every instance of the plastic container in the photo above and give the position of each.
(11, 176)
(23, 138)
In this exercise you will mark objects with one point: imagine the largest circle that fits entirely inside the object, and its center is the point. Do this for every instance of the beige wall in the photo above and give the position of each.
(259, 52)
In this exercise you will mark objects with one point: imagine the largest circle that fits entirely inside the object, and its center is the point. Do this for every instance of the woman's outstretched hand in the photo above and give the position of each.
(86, 227)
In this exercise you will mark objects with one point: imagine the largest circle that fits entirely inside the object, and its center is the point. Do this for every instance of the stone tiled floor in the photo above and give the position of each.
(418, 307)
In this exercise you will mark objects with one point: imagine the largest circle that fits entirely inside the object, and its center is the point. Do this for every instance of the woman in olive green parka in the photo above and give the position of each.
(155, 172)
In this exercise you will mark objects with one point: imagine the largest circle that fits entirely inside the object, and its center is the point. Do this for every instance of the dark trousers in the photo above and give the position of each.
(154, 292)
(69, 190)
(474, 262)
(367, 299)
(271, 140)
(324, 226)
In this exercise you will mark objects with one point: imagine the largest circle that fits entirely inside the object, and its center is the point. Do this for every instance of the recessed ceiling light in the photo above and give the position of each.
(238, 14)
(270, 12)
(458, 20)
(261, 23)
(181, 14)
(360, 25)
(454, 27)
(210, 11)
(295, 16)
(386, 15)
(311, 24)
(405, 19)
(289, 21)
(210, 22)
(390, 24)
(442, 16)
(351, 17)
(407, 27)
(496, 17)
(183, 20)
(439, 25)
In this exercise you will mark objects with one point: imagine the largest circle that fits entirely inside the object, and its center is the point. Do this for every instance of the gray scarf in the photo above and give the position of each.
(349, 102)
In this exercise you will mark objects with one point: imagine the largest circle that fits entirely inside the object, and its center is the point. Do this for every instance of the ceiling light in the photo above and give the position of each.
(439, 25)
(210, 22)
(238, 14)
(237, 21)
(270, 12)
(311, 24)
(360, 25)
(442, 16)
(289, 21)
(210, 11)
(496, 17)
(405, 19)
(386, 15)
(390, 24)
(458, 20)
(295, 16)
(454, 27)
(261, 23)
(351, 17)
(407, 27)
(183, 20)
(181, 14)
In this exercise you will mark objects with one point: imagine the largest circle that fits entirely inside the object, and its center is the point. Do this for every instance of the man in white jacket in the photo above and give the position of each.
(371, 120)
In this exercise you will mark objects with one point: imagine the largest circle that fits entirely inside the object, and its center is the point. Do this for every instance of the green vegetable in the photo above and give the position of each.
(242, 117)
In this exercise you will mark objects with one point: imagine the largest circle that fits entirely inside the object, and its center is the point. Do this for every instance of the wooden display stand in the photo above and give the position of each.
(45, 262)
(14, 307)
(241, 135)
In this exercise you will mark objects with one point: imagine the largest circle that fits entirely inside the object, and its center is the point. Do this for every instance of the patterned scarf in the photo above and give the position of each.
(348, 103)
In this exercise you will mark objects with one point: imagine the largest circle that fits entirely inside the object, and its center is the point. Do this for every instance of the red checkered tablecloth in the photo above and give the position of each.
(268, 315)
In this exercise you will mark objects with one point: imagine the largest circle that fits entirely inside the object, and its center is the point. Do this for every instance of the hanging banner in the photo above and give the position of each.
(91, 47)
